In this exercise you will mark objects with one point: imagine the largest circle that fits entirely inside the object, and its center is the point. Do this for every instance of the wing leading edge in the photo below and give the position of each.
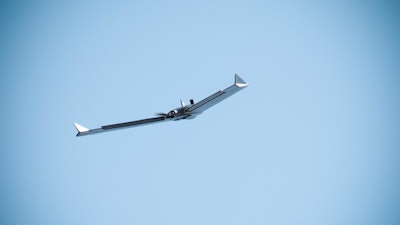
(217, 97)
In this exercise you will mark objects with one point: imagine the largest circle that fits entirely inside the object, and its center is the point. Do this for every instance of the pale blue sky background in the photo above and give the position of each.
(314, 139)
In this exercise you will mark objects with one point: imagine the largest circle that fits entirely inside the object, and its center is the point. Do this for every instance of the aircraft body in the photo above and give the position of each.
(183, 112)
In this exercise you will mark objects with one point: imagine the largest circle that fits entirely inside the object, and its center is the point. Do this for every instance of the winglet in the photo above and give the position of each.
(80, 128)
(240, 82)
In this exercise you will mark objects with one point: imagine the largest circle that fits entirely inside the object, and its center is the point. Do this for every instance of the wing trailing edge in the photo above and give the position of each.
(85, 131)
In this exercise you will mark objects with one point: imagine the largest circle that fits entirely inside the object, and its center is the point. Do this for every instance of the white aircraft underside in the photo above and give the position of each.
(184, 112)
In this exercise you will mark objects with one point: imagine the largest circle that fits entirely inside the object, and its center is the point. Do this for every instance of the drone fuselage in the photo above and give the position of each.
(181, 113)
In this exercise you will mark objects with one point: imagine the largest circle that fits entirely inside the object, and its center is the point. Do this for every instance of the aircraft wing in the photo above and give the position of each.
(213, 99)
(85, 131)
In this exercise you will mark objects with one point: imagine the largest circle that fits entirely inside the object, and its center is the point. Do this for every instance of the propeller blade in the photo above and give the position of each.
(162, 114)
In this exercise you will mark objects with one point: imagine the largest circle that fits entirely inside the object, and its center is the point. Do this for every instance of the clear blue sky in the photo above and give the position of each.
(313, 140)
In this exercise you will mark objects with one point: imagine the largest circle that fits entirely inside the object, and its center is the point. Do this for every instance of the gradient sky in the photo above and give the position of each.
(313, 140)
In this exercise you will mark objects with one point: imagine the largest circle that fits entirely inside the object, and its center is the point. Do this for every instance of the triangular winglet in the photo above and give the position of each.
(80, 128)
(239, 81)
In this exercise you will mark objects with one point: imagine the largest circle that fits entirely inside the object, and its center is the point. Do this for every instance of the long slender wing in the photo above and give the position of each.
(218, 96)
(85, 131)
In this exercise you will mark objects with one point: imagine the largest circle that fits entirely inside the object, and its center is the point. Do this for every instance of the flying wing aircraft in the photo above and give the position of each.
(183, 112)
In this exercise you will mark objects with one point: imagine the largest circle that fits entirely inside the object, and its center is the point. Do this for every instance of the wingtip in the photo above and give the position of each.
(240, 82)
(80, 128)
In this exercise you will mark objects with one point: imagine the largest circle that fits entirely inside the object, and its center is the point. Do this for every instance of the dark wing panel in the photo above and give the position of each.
(84, 131)
(218, 96)
(133, 123)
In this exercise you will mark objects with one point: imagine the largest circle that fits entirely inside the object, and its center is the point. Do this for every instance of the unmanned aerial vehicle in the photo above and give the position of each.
(183, 112)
